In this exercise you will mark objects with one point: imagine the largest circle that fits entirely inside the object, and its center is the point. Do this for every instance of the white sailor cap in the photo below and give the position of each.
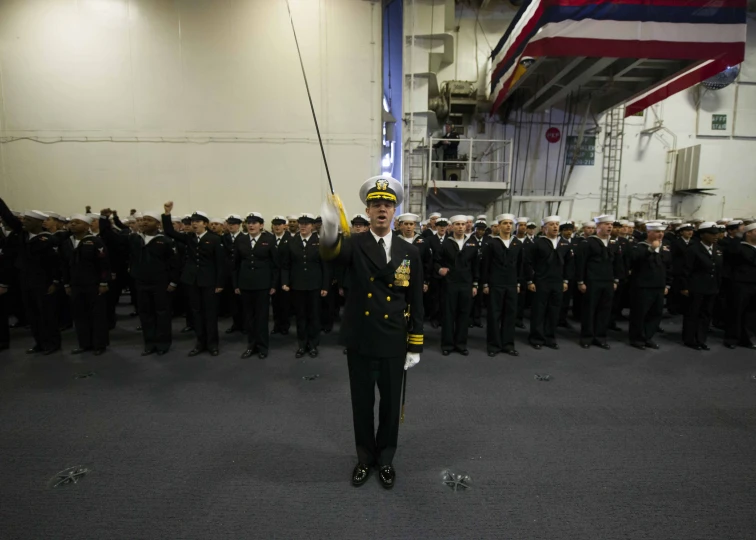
(626, 223)
(292, 217)
(457, 219)
(522, 220)
(696, 220)
(550, 219)
(216, 219)
(640, 221)
(676, 222)
(86, 218)
(750, 227)
(95, 217)
(176, 219)
(605, 218)
(408, 217)
(137, 215)
(503, 217)
(588, 224)
(469, 218)
(154, 215)
(724, 221)
(735, 223)
(483, 217)
(435, 215)
(655, 226)
(36, 214)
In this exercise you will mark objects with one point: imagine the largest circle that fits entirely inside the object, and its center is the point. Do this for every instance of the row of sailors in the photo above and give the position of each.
(463, 268)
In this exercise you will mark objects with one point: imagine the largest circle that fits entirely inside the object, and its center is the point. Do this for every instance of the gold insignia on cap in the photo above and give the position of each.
(381, 185)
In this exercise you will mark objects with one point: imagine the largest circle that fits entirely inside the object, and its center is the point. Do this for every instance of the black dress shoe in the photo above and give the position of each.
(651, 345)
(187, 329)
(99, 352)
(37, 349)
(536, 346)
(479, 324)
(693, 346)
(195, 351)
(79, 350)
(446, 352)
(585, 345)
(704, 347)
(284, 332)
(602, 345)
(512, 352)
(138, 328)
(161, 353)
(147, 352)
(615, 328)
(275, 331)
(434, 324)
(232, 330)
(519, 325)
(262, 355)
(492, 354)
(728, 345)
(387, 475)
(247, 353)
(470, 325)
(300, 353)
(564, 324)
(345, 351)
(360, 474)
(554, 346)
(463, 352)
(314, 352)
(640, 346)
(48, 352)
(214, 352)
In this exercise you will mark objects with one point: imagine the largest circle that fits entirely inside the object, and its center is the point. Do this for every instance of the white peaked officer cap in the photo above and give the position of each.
(82, 217)
(154, 215)
(381, 188)
(606, 218)
(36, 214)
(550, 219)
(442, 221)
(457, 219)
(502, 217)
(434, 215)
(199, 215)
(708, 226)
(408, 217)
(655, 226)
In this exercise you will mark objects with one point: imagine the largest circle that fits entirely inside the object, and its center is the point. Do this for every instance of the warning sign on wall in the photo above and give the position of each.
(586, 154)
(718, 122)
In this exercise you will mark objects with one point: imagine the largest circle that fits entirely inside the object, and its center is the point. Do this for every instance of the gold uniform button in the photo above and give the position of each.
(388, 299)
(370, 295)
(391, 285)
(372, 279)
(385, 316)
(367, 313)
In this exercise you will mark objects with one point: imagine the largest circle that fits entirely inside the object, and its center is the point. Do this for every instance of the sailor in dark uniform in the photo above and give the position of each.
(292, 224)
(204, 276)
(566, 233)
(308, 277)
(742, 295)
(481, 238)
(501, 273)
(649, 264)
(256, 275)
(86, 273)
(36, 261)
(360, 223)
(434, 306)
(457, 263)
(520, 232)
(383, 322)
(5, 272)
(700, 283)
(236, 310)
(155, 269)
(597, 272)
(549, 265)
(281, 300)
(430, 230)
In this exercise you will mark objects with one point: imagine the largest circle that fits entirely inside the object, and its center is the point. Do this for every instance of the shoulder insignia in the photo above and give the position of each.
(43, 238)
(665, 248)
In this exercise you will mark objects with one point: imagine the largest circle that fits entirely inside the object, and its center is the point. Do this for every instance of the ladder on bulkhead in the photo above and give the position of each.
(611, 166)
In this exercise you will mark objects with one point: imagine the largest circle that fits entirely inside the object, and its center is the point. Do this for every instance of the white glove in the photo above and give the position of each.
(413, 358)
(329, 231)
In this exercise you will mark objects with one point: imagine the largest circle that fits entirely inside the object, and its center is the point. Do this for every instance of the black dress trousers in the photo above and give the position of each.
(204, 305)
(154, 308)
(699, 309)
(256, 309)
(90, 317)
(596, 311)
(307, 306)
(544, 312)
(364, 372)
(502, 314)
(4, 331)
(41, 312)
(646, 310)
(457, 301)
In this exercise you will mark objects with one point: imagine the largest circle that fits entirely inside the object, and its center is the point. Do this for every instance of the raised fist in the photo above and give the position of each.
(168, 207)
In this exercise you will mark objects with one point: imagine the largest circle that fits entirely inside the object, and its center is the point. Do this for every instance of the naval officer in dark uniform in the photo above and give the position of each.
(204, 274)
(383, 322)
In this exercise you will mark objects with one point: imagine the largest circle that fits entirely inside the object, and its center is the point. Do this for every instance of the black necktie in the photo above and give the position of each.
(254, 241)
